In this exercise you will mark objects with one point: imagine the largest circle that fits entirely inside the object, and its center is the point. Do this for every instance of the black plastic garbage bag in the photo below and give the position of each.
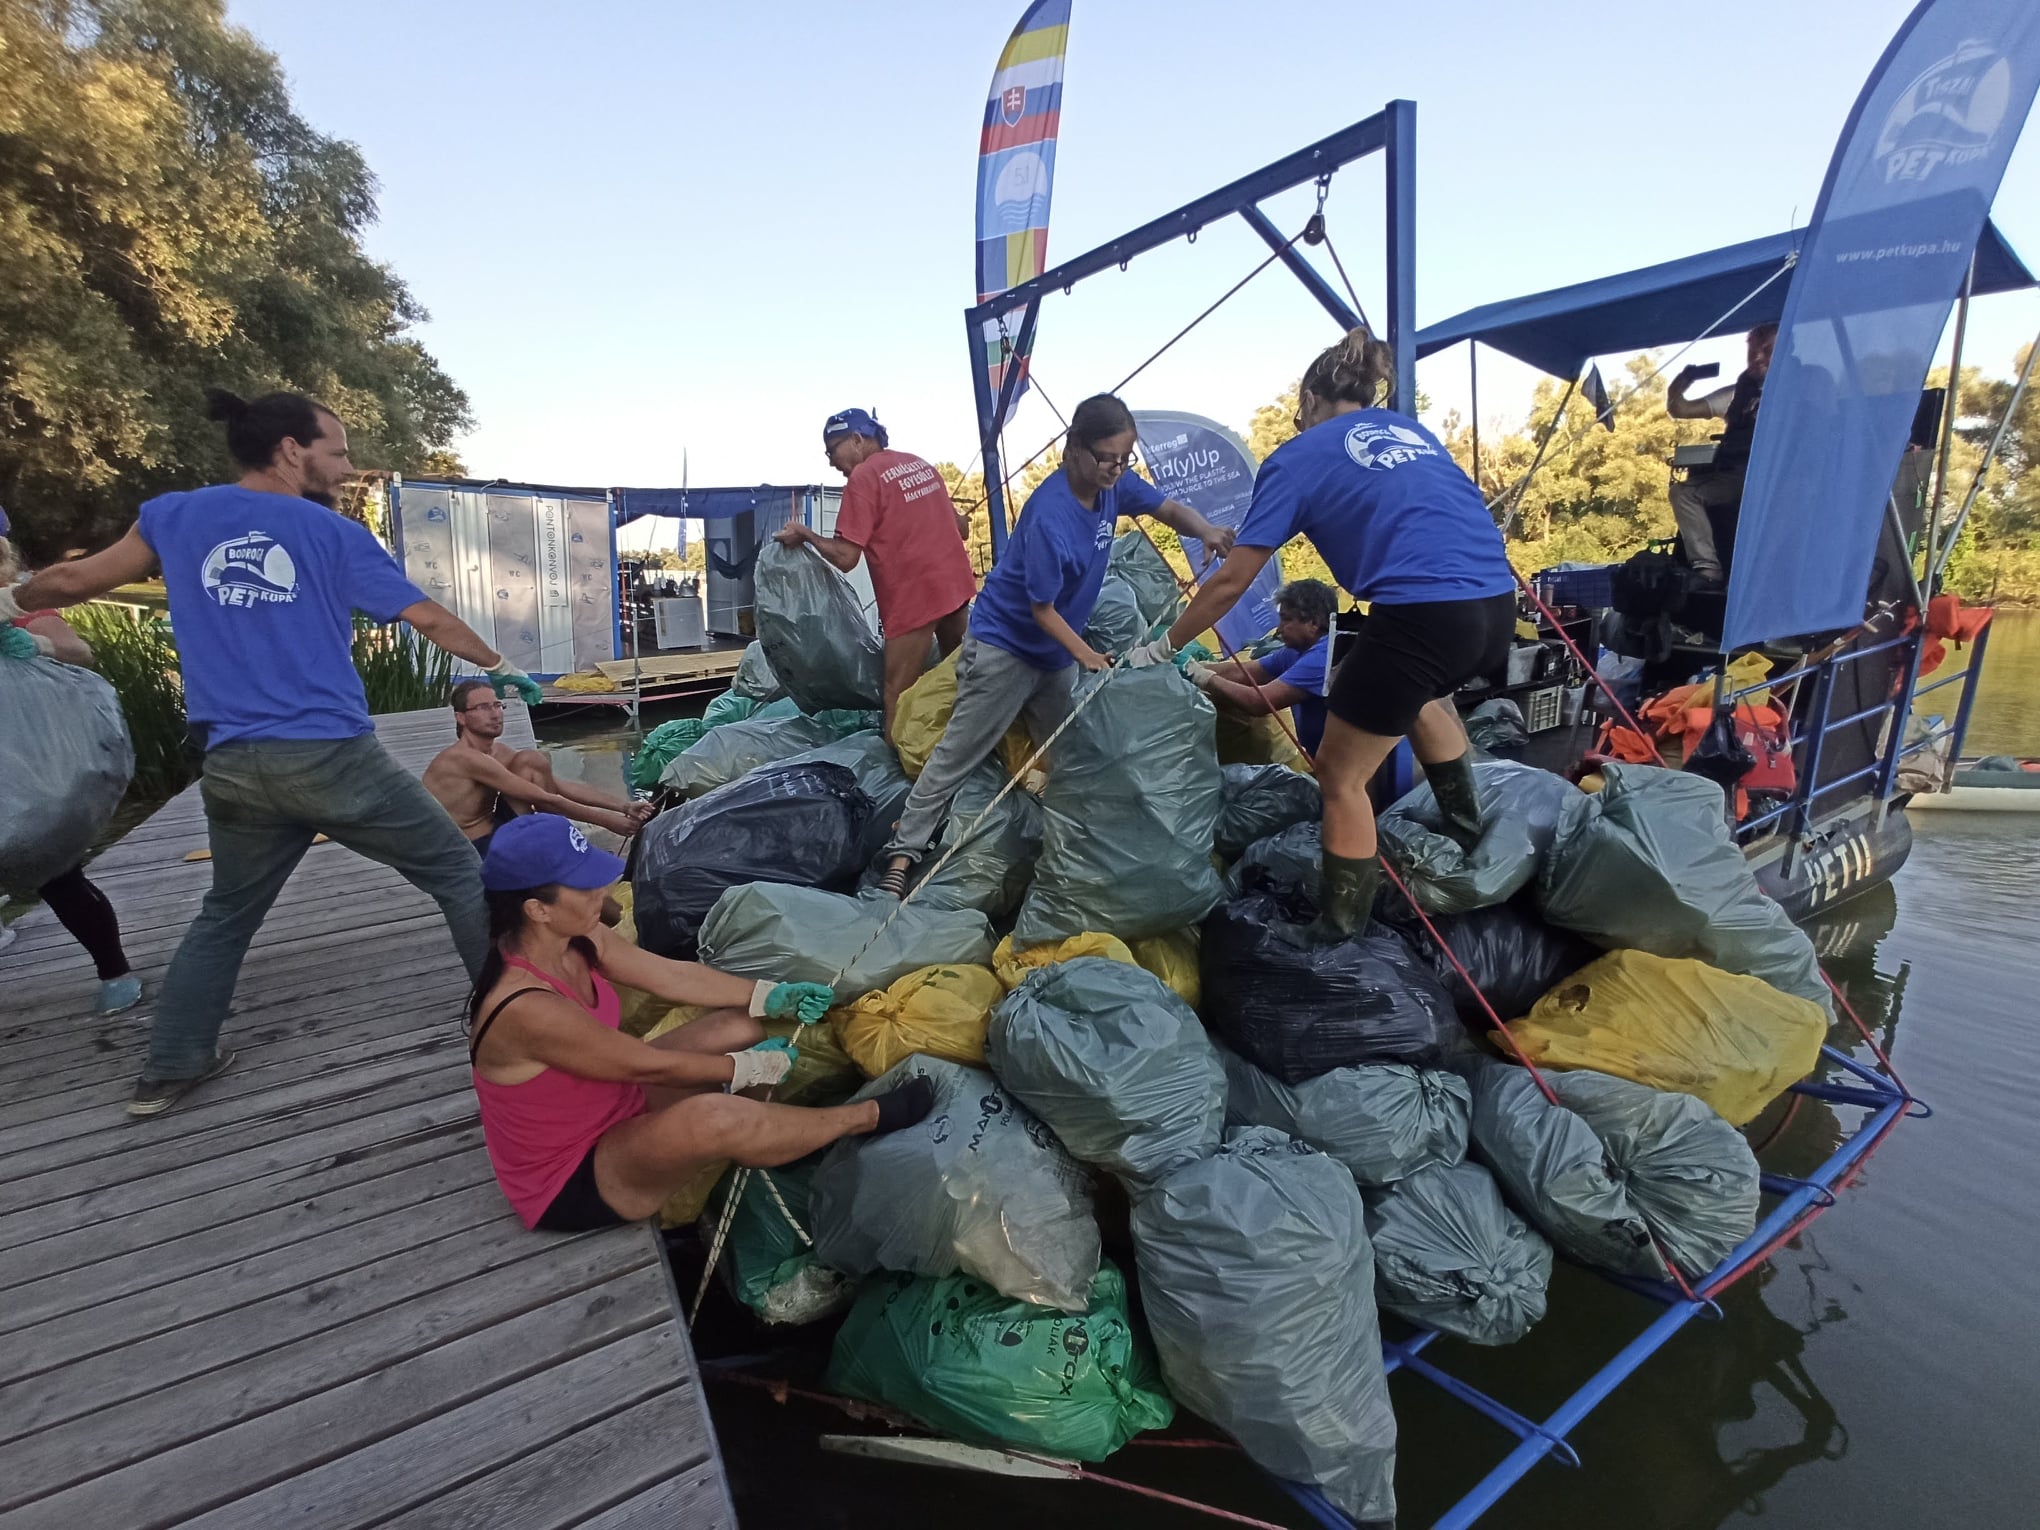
(1557, 1172)
(65, 760)
(1115, 625)
(1258, 1282)
(994, 864)
(812, 627)
(1131, 804)
(805, 935)
(1114, 1062)
(1691, 1174)
(1135, 559)
(980, 1186)
(1384, 1122)
(1519, 808)
(1297, 1009)
(869, 758)
(800, 824)
(1508, 950)
(1285, 864)
(1450, 1255)
(723, 754)
(1648, 863)
(754, 679)
(1260, 800)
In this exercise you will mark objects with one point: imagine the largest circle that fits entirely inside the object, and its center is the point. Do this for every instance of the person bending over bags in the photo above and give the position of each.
(1402, 527)
(587, 1127)
(1022, 651)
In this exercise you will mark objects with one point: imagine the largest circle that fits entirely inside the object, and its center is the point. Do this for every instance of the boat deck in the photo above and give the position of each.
(300, 1298)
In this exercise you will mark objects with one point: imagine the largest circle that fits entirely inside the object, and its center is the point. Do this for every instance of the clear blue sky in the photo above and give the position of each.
(648, 228)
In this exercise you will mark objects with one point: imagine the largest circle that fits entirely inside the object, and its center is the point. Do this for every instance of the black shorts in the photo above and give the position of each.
(1408, 655)
(482, 845)
(579, 1206)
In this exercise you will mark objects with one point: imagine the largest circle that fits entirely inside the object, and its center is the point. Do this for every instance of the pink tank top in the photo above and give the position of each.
(539, 1131)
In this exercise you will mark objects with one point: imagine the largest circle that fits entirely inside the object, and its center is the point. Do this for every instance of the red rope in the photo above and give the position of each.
(1606, 689)
(1876, 1051)
(1085, 1474)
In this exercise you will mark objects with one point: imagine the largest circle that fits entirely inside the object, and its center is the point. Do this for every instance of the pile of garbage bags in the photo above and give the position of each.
(1301, 1133)
(66, 758)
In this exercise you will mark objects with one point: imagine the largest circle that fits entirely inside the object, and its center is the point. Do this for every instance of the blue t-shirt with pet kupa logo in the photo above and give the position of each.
(263, 588)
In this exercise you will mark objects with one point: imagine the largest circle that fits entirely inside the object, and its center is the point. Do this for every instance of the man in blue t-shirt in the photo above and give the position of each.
(1293, 676)
(264, 579)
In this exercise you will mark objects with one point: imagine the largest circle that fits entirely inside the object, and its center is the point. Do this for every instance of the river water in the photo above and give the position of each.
(1883, 1372)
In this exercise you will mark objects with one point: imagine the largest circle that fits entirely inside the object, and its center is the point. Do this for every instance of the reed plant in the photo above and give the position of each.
(138, 657)
(400, 670)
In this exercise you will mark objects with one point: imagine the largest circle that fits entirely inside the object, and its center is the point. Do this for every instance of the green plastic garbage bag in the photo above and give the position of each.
(1147, 573)
(812, 627)
(1519, 808)
(1449, 1255)
(868, 757)
(754, 679)
(65, 761)
(981, 1187)
(1260, 800)
(769, 1260)
(729, 707)
(845, 721)
(1258, 1284)
(968, 1362)
(804, 935)
(1383, 1121)
(1114, 1062)
(1648, 863)
(994, 864)
(1129, 813)
(1115, 626)
(659, 748)
(724, 753)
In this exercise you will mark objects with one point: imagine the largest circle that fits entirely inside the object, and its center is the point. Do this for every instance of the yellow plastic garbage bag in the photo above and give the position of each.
(1257, 741)
(1735, 1042)
(923, 714)
(1012, 963)
(1747, 670)
(939, 1011)
(592, 683)
(1173, 959)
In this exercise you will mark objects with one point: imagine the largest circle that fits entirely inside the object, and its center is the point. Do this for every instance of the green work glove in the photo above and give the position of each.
(17, 643)
(805, 1002)
(505, 677)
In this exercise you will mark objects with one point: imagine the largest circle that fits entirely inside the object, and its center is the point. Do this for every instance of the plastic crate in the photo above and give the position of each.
(1544, 709)
(1591, 589)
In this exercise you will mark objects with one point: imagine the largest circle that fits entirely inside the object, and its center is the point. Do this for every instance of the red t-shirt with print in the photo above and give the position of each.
(897, 509)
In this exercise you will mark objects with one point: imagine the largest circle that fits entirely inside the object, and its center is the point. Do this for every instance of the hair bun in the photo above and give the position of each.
(222, 405)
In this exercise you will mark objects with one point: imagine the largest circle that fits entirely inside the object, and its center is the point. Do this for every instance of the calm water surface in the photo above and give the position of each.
(1884, 1372)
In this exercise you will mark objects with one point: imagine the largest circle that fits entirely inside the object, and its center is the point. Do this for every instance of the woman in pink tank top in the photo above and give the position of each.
(586, 1126)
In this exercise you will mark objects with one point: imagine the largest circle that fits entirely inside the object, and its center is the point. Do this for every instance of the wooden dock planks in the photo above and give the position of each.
(300, 1298)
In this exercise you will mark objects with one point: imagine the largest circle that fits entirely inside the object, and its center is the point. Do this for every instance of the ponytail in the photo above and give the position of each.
(256, 428)
(1358, 370)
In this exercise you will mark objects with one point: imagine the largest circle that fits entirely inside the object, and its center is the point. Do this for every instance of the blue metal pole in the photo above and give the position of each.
(988, 432)
(1809, 769)
(1300, 268)
(1968, 702)
(1901, 714)
(1399, 146)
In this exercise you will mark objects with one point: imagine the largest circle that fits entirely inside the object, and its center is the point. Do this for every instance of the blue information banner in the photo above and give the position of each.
(1208, 468)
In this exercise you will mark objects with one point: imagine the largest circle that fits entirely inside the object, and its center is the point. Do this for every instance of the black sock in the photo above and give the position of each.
(904, 1106)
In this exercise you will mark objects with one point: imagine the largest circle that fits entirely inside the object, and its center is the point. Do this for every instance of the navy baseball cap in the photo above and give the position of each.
(543, 849)
(850, 422)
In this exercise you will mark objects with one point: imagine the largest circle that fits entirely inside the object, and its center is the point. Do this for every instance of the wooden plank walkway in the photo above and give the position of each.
(300, 1298)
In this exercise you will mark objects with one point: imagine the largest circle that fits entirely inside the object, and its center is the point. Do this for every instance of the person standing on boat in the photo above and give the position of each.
(1022, 653)
(897, 510)
(1403, 528)
(1705, 505)
(263, 578)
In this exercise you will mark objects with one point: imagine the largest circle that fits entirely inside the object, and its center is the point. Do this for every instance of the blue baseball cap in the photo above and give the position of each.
(850, 422)
(543, 849)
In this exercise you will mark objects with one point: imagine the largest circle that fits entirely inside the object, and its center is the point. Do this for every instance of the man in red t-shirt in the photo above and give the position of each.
(897, 509)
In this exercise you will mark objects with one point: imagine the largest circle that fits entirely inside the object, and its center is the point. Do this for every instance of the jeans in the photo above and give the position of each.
(264, 800)
(1705, 489)
(992, 688)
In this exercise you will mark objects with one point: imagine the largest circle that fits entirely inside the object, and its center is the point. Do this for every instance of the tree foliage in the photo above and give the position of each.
(167, 223)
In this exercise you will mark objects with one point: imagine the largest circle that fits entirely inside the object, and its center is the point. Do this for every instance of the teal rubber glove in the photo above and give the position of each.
(15, 643)
(805, 1002)
(505, 677)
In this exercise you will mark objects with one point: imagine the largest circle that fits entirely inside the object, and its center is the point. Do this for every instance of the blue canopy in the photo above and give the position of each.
(1557, 331)
(786, 501)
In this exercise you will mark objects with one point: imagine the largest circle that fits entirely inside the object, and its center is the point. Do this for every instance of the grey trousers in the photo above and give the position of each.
(993, 687)
(1704, 489)
(264, 800)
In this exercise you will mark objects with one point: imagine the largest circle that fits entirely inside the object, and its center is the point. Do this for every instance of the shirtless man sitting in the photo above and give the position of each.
(483, 783)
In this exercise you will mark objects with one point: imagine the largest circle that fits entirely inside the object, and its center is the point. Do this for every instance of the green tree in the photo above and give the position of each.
(168, 222)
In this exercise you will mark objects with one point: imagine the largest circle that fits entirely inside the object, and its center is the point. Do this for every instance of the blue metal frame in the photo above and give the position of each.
(1391, 132)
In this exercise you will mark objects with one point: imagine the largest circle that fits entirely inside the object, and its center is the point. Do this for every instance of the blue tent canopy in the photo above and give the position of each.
(787, 501)
(1557, 331)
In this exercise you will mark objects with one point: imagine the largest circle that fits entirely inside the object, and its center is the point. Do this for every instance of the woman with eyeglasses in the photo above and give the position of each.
(1022, 652)
(1403, 528)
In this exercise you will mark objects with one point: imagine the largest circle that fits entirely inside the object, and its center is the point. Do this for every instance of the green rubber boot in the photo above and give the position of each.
(1458, 800)
(1346, 890)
